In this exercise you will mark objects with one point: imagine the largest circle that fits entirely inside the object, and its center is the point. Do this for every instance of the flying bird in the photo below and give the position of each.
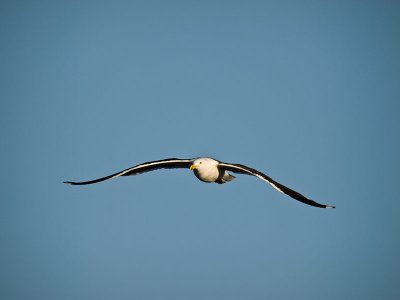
(207, 170)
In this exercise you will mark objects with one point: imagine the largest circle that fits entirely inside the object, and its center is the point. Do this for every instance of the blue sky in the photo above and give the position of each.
(307, 92)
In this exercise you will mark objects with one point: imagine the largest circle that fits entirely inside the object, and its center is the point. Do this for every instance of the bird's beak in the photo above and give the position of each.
(192, 167)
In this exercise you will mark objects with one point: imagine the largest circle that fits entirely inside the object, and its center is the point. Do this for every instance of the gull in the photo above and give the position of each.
(207, 170)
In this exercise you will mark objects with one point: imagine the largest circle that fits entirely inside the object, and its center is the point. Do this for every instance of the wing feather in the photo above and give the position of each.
(241, 169)
(169, 163)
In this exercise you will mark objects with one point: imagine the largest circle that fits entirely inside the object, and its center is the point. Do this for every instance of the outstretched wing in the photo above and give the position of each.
(169, 163)
(241, 169)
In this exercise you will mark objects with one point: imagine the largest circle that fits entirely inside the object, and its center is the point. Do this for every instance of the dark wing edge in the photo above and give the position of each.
(169, 163)
(241, 169)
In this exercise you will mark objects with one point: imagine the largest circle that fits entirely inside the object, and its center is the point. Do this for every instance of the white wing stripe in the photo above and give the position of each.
(279, 187)
(273, 185)
(255, 174)
(154, 163)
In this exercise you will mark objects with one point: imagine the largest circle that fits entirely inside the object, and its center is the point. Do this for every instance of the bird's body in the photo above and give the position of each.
(207, 170)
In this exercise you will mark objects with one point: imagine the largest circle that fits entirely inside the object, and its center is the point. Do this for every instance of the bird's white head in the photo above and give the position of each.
(203, 162)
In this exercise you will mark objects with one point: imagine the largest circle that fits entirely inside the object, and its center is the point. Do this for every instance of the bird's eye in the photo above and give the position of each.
(200, 162)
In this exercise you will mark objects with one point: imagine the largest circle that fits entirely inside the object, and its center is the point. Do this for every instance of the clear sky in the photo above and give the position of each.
(306, 91)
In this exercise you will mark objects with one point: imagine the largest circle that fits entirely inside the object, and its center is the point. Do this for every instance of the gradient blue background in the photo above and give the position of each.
(306, 91)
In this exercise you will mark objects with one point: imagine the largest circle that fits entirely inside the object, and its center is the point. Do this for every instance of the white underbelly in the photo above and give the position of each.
(209, 175)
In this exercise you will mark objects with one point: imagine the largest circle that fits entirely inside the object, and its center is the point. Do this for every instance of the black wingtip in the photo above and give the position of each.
(69, 182)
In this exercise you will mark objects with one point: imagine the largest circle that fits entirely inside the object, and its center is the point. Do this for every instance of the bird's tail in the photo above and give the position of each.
(227, 177)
